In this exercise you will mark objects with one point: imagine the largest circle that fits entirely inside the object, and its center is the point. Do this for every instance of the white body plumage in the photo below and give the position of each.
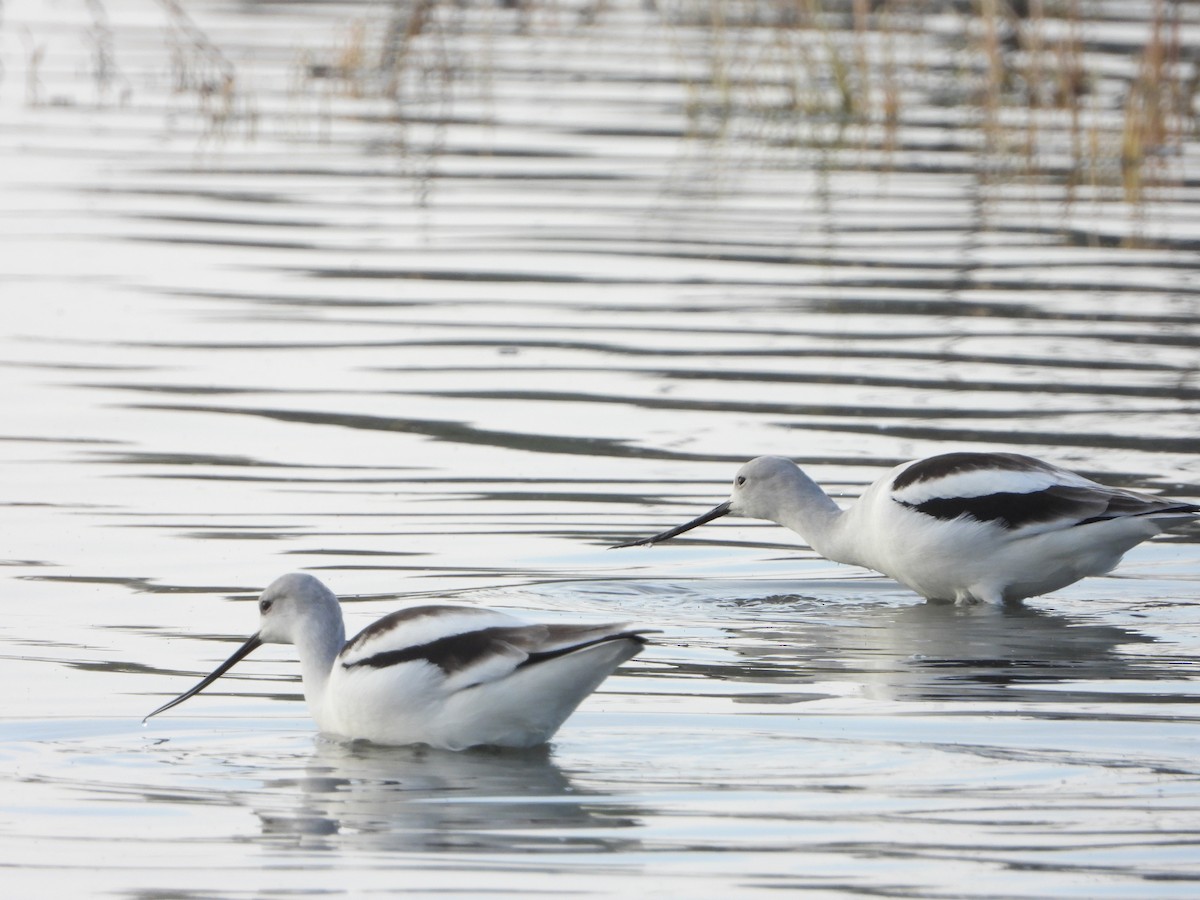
(962, 527)
(445, 675)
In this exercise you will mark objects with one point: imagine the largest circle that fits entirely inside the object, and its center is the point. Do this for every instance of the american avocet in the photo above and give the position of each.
(448, 676)
(965, 527)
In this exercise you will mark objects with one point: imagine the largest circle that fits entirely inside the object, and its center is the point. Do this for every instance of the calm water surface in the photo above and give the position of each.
(461, 352)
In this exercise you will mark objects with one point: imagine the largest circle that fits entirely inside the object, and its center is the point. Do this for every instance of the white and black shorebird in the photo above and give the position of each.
(445, 675)
(961, 527)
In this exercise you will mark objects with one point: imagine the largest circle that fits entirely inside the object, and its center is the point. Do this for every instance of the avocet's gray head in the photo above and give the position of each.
(294, 602)
(291, 607)
(757, 488)
(761, 485)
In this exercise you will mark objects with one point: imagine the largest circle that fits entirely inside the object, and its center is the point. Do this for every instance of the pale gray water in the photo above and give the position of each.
(462, 360)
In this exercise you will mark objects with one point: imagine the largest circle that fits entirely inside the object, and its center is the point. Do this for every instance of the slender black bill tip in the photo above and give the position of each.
(220, 670)
(715, 513)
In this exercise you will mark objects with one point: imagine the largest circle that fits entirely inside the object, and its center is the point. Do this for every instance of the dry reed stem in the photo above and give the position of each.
(201, 68)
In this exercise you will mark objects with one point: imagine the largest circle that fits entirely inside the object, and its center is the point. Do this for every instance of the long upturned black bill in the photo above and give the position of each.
(715, 513)
(242, 651)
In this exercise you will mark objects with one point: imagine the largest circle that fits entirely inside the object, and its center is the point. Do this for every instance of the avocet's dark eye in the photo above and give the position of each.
(264, 606)
(741, 479)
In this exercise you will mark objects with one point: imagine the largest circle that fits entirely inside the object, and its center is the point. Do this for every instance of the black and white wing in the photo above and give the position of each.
(1021, 494)
(468, 645)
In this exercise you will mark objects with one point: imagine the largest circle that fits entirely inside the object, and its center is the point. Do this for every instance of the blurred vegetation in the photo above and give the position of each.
(1085, 95)
(1032, 81)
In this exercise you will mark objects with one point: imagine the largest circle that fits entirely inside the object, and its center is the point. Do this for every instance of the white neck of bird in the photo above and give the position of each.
(813, 514)
(318, 652)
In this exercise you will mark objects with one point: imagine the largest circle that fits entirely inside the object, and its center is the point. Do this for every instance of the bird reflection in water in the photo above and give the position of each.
(417, 798)
(940, 652)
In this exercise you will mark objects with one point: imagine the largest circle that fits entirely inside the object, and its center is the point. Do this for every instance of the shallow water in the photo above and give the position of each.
(462, 360)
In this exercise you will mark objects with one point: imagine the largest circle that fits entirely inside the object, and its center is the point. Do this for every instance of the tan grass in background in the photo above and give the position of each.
(1019, 83)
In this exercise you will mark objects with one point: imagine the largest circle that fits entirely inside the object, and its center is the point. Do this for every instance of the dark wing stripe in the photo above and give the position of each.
(1061, 502)
(402, 617)
(1166, 509)
(450, 654)
(1016, 510)
(542, 656)
(947, 464)
(458, 652)
(1007, 510)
